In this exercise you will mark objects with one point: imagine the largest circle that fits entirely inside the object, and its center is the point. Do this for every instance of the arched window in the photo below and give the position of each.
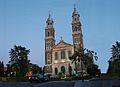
(48, 44)
(56, 71)
(75, 19)
(56, 56)
(48, 62)
(76, 29)
(48, 56)
(63, 69)
(48, 33)
(62, 54)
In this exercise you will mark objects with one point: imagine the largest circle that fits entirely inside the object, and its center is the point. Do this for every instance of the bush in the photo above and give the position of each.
(14, 79)
(60, 75)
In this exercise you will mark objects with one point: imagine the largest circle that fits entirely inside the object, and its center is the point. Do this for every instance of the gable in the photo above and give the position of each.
(62, 44)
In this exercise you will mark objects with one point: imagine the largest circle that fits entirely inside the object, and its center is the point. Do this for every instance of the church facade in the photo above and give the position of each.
(57, 55)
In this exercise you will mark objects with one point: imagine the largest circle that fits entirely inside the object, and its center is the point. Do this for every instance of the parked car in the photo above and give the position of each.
(38, 78)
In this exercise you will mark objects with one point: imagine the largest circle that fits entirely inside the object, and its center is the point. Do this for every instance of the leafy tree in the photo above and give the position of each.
(8, 70)
(85, 56)
(114, 62)
(19, 60)
(93, 70)
(35, 69)
(1, 68)
(43, 70)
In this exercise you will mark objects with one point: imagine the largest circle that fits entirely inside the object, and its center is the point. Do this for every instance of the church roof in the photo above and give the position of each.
(75, 12)
(61, 44)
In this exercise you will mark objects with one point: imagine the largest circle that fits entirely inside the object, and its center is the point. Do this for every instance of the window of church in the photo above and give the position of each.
(48, 34)
(62, 54)
(56, 56)
(48, 45)
(75, 28)
(75, 19)
(56, 71)
(63, 69)
(48, 62)
(75, 40)
(48, 56)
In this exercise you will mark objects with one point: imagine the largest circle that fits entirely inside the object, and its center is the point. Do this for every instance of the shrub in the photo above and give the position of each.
(14, 79)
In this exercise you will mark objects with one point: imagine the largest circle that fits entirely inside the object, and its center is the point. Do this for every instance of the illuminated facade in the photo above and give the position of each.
(57, 55)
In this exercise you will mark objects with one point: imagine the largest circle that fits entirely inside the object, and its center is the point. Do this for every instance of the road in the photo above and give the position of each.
(45, 84)
(98, 83)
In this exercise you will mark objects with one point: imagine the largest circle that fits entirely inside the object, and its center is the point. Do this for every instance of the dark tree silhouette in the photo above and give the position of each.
(85, 56)
(19, 60)
(1, 68)
(35, 69)
(114, 62)
(93, 70)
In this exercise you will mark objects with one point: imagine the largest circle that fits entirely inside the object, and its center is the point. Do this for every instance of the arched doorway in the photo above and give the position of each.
(63, 69)
(56, 71)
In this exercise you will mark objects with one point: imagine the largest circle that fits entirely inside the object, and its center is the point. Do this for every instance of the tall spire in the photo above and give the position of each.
(49, 15)
(75, 12)
(75, 16)
(49, 43)
(76, 28)
(49, 22)
(49, 18)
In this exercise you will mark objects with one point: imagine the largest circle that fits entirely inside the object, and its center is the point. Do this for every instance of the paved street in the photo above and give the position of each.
(45, 84)
(79, 83)
(97, 83)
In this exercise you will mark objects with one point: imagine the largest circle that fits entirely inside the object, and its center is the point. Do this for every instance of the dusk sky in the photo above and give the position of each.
(22, 22)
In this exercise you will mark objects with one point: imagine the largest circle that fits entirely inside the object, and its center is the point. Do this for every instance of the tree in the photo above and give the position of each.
(114, 62)
(85, 56)
(19, 60)
(1, 68)
(93, 70)
(8, 70)
(43, 70)
(35, 69)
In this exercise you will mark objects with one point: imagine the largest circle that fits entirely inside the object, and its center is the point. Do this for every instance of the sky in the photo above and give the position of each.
(22, 22)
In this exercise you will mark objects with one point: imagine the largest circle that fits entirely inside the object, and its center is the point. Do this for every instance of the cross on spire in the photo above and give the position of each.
(74, 7)
(49, 13)
(61, 38)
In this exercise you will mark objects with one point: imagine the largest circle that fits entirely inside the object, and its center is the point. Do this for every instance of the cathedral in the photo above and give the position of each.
(57, 55)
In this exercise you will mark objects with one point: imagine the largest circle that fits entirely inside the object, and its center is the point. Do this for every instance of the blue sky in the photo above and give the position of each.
(22, 22)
